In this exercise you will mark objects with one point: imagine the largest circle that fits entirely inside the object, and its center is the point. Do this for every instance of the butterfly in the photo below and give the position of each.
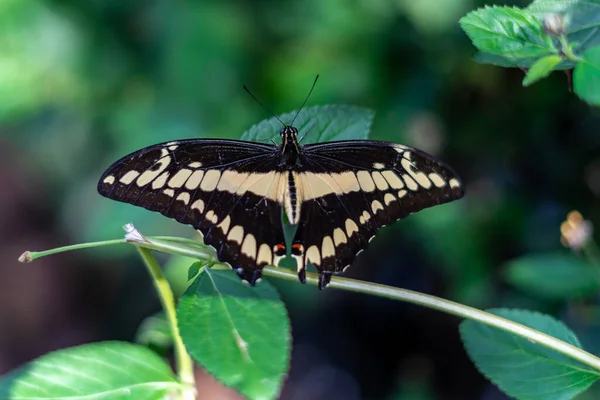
(339, 194)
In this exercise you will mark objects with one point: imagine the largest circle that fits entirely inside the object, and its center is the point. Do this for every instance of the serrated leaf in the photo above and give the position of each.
(582, 20)
(555, 276)
(541, 69)
(507, 31)
(107, 370)
(522, 368)
(317, 124)
(586, 77)
(240, 334)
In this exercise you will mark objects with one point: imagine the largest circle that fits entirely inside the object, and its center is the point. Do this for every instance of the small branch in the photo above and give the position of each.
(449, 307)
(183, 361)
(29, 256)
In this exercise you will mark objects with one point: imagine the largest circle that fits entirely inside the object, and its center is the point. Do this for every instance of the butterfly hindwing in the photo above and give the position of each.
(353, 188)
(228, 190)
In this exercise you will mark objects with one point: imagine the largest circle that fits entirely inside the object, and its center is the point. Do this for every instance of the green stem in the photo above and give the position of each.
(566, 49)
(449, 307)
(392, 293)
(183, 361)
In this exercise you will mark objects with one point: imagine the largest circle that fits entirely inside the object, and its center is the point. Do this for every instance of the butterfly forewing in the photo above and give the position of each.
(228, 190)
(351, 189)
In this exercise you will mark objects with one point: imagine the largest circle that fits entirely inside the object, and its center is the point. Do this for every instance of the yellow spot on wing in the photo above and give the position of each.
(249, 246)
(327, 248)
(393, 179)
(109, 180)
(224, 225)
(194, 180)
(454, 183)
(351, 227)
(160, 181)
(339, 237)
(264, 254)
(180, 177)
(375, 206)
(388, 198)
(184, 197)
(365, 181)
(169, 192)
(437, 180)
(410, 183)
(379, 181)
(313, 256)
(149, 175)
(236, 234)
(129, 177)
(210, 181)
(198, 205)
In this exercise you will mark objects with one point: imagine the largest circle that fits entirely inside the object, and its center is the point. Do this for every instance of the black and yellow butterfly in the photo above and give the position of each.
(234, 192)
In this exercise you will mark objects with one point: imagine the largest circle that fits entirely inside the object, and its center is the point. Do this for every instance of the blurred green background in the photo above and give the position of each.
(83, 83)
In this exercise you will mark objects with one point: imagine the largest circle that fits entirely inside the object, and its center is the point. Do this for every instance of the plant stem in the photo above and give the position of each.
(183, 361)
(449, 307)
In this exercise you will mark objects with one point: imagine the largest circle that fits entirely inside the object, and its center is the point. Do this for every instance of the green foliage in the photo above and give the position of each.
(541, 69)
(240, 334)
(507, 31)
(106, 370)
(317, 124)
(523, 368)
(155, 331)
(586, 77)
(546, 36)
(554, 276)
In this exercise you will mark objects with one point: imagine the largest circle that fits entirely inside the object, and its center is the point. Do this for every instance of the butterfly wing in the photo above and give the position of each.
(228, 190)
(350, 189)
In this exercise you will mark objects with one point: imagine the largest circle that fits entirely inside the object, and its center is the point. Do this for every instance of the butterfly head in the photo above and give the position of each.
(288, 134)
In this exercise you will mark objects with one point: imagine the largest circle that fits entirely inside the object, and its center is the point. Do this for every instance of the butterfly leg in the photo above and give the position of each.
(248, 275)
(324, 279)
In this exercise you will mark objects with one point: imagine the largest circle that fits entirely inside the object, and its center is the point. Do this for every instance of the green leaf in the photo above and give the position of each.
(522, 368)
(555, 276)
(240, 334)
(506, 31)
(317, 124)
(586, 77)
(155, 330)
(515, 62)
(195, 269)
(541, 69)
(582, 20)
(107, 370)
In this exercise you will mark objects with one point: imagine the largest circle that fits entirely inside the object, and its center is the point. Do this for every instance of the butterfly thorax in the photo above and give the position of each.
(290, 148)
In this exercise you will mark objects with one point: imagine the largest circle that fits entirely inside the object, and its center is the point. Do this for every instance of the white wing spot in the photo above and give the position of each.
(351, 227)
(365, 181)
(454, 183)
(313, 256)
(195, 164)
(224, 225)
(264, 254)
(129, 177)
(402, 193)
(249, 246)
(378, 165)
(339, 237)
(211, 216)
(173, 147)
(184, 197)
(194, 180)
(375, 206)
(393, 179)
(410, 183)
(236, 234)
(327, 248)
(388, 199)
(160, 181)
(210, 181)
(109, 180)
(198, 205)
(149, 176)
(169, 192)
(437, 180)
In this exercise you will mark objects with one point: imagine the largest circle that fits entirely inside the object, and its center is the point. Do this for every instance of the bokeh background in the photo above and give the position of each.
(83, 83)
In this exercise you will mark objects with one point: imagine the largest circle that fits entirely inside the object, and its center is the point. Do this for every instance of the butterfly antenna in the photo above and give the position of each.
(263, 106)
(305, 100)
